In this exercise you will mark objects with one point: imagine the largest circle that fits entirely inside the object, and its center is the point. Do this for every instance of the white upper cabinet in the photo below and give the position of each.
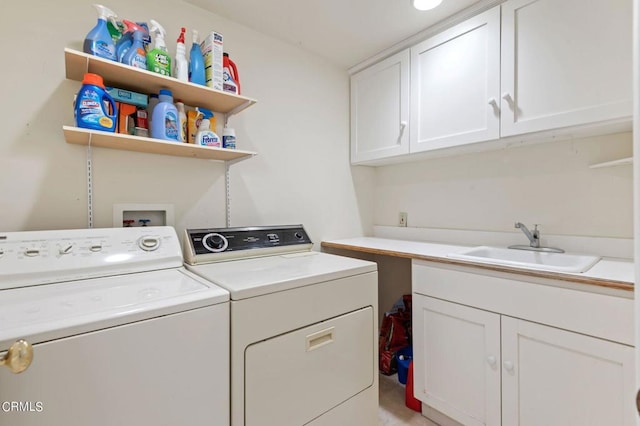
(455, 85)
(380, 110)
(565, 63)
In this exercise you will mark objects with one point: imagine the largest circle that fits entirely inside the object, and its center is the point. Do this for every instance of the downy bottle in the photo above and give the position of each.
(158, 59)
(98, 41)
(165, 120)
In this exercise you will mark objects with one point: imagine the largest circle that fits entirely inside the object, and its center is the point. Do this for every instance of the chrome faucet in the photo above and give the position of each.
(534, 237)
(534, 240)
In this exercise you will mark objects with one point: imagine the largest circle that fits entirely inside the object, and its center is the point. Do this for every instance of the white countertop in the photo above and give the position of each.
(607, 269)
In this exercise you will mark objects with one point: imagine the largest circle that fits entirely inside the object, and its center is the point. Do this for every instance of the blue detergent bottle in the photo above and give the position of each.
(136, 55)
(98, 41)
(196, 62)
(94, 108)
(165, 121)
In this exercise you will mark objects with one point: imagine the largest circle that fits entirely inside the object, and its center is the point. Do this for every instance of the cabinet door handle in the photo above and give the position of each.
(492, 361)
(508, 365)
(19, 356)
(494, 104)
(507, 97)
(403, 125)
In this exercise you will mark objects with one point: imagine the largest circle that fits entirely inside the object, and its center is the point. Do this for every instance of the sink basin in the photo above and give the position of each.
(558, 262)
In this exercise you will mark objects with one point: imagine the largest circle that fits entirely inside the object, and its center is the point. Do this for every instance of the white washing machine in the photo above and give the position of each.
(119, 333)
(303, 326)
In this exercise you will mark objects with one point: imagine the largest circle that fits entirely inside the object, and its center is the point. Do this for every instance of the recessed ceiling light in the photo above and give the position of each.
(425, 4)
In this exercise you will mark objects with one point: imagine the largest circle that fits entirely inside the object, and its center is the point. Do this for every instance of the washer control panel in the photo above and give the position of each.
(40, 257)
(215, 244)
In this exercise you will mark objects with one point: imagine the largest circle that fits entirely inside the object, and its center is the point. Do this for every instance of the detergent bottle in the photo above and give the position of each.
(196, 62)
(136, 56)
(206, 136)
(158, 59)
(98, 41)
(165, 120)
(181, 71)
(230, 76)
(94, 108)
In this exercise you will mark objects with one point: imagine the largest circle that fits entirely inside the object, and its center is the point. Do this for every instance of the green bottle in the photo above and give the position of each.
(158, 59)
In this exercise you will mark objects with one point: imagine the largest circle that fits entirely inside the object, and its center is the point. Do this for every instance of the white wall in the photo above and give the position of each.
(549, 184)
(299, 127)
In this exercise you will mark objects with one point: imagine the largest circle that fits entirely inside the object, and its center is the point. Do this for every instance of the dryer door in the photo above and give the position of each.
(295, 377)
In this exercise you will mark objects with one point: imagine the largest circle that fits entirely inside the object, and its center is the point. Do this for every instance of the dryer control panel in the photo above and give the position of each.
(216, 244)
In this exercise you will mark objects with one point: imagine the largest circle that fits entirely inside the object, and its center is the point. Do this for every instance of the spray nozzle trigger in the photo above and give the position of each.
(132, 27)
(106, 14)
(181, 36)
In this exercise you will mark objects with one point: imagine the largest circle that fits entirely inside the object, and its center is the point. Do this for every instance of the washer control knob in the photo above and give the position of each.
(32, 252)
(65, 249)
(149, 243)
(215, 242)
(95, 247)
(298, 235)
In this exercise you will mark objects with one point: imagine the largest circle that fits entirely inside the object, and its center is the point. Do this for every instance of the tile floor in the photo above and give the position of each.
(393, 411)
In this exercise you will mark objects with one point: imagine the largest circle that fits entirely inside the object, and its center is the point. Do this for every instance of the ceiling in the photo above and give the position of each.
(344, 31)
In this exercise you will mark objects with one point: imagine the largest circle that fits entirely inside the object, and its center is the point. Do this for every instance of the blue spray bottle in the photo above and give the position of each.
(98, 41)
(196, 62)
(136, 56)
(124, 43)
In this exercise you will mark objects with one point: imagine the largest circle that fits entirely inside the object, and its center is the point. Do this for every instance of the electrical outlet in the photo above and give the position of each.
(403, 219)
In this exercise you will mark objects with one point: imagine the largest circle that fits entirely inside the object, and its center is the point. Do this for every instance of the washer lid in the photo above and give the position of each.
(57, 310)
(255, 277)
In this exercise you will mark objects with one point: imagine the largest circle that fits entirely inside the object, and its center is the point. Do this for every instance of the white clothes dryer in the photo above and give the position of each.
(303, 326)
(108, 328)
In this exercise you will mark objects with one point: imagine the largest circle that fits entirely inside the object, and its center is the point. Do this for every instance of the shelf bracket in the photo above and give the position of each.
(89, 186)
(227, 186)
(237, 110)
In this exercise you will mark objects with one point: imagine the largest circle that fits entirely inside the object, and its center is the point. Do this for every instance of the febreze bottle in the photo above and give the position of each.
(94, 108)
(98, 41)
(136, 56)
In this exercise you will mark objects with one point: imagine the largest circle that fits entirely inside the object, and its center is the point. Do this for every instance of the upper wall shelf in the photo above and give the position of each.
(621, 162)
(126, 77)
(75, 135)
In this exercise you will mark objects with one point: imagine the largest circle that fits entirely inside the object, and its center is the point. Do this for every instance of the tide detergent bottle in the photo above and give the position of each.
(230, 76)
(136, 56)
(94, 108)
(165, 120)
(98, 41)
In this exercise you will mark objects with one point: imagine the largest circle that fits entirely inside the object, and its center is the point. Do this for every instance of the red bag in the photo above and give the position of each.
(395, 334)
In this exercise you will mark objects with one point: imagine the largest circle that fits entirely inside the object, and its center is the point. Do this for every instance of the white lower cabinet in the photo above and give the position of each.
(478, 366)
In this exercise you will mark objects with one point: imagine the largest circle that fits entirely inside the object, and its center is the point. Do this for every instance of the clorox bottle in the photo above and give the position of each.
(95, 109)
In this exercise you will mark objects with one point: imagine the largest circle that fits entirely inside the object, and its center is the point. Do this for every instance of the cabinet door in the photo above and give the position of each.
(380, 110)
(457, 360)
(455, 85)
(564, 63)
(555, 377)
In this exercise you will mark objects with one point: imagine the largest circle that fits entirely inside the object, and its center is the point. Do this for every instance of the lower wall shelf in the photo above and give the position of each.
(78, 136)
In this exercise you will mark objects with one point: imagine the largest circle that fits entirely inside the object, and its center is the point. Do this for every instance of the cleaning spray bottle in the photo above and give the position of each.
(98, 41)
(196, 62)
(181, 71)
(136, 55)
(158, 59)
(125, 42)
(230, 76)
